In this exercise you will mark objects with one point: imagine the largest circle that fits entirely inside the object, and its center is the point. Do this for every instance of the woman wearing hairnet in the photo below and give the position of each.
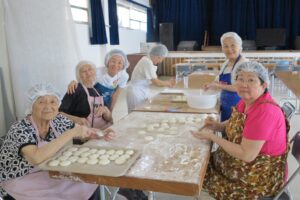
(144, 74)
(232, 48)
(85, 106)
(34, 139)
(251, 162)
(112, 79)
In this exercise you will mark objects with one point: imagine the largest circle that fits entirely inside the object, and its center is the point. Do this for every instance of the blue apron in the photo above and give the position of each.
(228, 98)
(105, 92)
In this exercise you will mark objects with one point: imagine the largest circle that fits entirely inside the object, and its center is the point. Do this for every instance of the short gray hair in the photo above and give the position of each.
(159, 50)
(116, 52)
(234, 36)
(81, 64)
(255, 67)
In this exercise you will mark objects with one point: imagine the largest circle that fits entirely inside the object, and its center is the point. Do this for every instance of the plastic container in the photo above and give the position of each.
(201, 99)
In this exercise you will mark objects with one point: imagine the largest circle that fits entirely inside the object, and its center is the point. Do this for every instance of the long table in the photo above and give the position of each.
(291, 80)
(168, 164)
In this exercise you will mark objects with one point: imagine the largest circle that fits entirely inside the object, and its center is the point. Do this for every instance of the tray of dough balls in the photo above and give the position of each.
(93, 160)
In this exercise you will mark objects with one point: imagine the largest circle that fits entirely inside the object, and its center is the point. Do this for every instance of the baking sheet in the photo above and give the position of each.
(110, 169)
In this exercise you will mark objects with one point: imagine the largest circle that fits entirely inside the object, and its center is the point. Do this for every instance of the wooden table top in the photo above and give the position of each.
(198, 79)
(291, 80)
(175, 164)
(167, 103)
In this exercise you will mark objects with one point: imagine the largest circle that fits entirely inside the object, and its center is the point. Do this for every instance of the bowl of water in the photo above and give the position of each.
(201, 99)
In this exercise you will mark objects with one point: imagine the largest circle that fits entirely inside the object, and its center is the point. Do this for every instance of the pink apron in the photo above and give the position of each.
(37, 185)
(95, 102)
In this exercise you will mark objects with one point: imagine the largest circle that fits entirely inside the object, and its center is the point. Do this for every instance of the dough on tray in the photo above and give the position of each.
(149, 138)
(142, 132)
(54, 163)
(113, 157)
(73, 149)
(73, 158)
(82, 160)
(67, 153)
(104, 161)
(83, 149)
(101, 151)
(65, 163)
(92, 161)
(93, 156)
(93, 151)
(120, 161)
(129, 152)
(110, 152)
(119, 152)
(85, 154)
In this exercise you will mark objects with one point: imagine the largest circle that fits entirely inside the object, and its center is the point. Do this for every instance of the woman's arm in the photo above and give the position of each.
(115, 97)
(77, 120)
(246, 151)
(220, 86)
(160, 83)
(36, 155)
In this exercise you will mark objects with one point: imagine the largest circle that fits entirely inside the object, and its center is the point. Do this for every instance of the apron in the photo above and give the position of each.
(37, 185)
(106, 93)
(137, 93)
(231, 178)
(228, 98)
(95, 102)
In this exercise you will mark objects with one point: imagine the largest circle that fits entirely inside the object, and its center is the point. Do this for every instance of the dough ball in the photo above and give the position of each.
(85, 154)
(190, 118)
(73, 149)
(83, 149)
(198, 119)
(156, 125)
(173, 128)
(161, 129)
(129, 152)
(150, 128)
(93, 151)
(142, 132)
(65, 163)
(113, 157)
(143, 126)
(119, 152)
(104, 162)
(54, 163)
(62, 158)
(164, 125)
(73, 158)
(77, 153)
(93, 156)
(149, 138)
(101, 151)
(67, 153)
(105, 156)
(205, 116)
(181, 121)
(110, 152)
(82, 160)
(125, 156)
(172, 120)
(120, 161)
(165, 121)
(92, 161)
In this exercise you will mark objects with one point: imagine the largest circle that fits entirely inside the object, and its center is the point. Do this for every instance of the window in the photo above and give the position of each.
(132, 17)
(79, 9)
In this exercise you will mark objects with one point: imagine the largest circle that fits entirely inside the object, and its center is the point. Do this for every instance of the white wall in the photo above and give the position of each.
(129, 39)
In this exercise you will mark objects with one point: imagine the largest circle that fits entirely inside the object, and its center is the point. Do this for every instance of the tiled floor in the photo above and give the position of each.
(121, 111)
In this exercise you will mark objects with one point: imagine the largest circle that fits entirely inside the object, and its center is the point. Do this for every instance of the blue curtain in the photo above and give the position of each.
(97, 25)
(113, 22)
(192, 17)
(188, 16)
(150, 28)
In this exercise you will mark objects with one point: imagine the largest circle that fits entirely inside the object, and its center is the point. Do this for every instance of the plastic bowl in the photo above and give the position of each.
(201, 99)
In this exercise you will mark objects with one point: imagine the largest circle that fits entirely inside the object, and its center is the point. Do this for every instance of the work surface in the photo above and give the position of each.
(172, 160)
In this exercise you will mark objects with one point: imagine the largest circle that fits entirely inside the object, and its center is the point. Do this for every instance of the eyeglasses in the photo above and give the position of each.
(249, 82)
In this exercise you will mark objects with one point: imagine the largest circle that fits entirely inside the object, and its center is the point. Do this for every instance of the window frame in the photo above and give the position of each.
(80, 8)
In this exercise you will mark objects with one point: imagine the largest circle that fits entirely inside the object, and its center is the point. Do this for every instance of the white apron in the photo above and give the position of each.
(37, 185)
(137, 93)
(95, 102)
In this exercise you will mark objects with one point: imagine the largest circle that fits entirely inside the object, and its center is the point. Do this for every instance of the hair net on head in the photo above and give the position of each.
(81, 64)
(234, 36)
(116, 52)
(159, 50)
(255, 67)
(39, 90)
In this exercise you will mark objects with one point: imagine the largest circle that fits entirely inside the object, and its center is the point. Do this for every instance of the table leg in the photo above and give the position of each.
(151, 195)
(102, 192)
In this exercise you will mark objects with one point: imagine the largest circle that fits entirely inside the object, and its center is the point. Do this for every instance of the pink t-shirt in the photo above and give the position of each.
(265, 121)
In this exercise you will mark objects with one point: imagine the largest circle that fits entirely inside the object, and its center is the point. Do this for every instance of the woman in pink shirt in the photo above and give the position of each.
(251, 162)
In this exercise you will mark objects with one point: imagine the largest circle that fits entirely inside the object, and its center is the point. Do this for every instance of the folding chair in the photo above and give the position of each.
(289, 109)
(283, 193)
(197, 67)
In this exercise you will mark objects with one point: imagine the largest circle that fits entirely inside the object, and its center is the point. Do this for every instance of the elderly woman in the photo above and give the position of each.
(85, 106)
(232, 48)
(251, 163)
(112, 79)
(144, 74)
(35, 139)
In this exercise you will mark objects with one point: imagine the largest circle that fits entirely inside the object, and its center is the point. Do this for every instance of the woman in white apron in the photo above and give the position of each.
(86, 105)
(35, 139)
(144, 74)
(111, 79)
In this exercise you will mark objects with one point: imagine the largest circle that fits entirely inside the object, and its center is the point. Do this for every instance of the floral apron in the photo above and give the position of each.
(231, 178)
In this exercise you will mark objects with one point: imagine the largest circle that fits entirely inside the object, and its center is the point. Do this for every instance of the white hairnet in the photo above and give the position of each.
(159, 50)
(255, 67)
(39, 90)
(234, 36)
(116, 52)
(81, 64)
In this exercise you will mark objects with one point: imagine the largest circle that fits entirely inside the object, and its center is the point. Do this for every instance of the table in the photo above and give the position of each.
(198, 79)
(174, 165)
(291, 80)
(165, 103)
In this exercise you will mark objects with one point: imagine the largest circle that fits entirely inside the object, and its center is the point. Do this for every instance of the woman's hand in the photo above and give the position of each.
(172, 82)
(110, 134)
(101, 110)
(202, 134)
(81, 121)
(212, 124)
(72, 87)
(212, 86)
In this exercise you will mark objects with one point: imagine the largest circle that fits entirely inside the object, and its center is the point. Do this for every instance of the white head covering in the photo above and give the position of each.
(159, 50)
(234, 36)
(255, 67)
(116, 52)
(81, 64)
(39, 90)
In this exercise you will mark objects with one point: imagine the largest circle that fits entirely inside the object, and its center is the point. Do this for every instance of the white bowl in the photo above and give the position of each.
(201, 99)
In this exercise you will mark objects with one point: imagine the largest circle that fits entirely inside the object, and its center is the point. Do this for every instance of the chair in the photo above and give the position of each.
(282, 65)
(183, 69)
(198, 67)
(289, 109)
(283, 193)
